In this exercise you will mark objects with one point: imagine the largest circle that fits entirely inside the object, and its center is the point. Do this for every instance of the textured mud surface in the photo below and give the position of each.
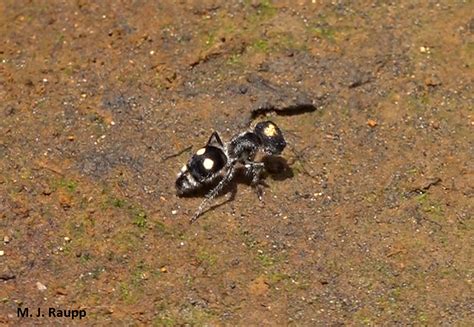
(370, 224)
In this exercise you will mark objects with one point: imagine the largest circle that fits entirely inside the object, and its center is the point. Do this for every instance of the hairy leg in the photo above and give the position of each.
(214, 192)
(254, 169)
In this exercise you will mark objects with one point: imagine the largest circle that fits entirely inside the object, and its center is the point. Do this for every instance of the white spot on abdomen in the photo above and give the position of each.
(208, 163)
(201, 151)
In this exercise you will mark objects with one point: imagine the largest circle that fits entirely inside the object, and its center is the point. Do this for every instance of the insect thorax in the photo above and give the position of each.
(244, 146)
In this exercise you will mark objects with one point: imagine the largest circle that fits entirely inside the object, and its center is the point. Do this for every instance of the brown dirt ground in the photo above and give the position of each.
(370, 224)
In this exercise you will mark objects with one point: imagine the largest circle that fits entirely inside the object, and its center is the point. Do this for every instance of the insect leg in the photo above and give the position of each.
(255, 169)
(212, 194)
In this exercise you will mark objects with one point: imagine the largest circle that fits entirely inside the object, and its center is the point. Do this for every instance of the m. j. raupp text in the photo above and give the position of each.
(51, 313)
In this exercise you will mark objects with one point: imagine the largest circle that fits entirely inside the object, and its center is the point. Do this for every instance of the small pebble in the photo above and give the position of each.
(2, 253)
(47, 190)
(432, 81)
(434, 124)
(163, 270)
(41, 287)
(425, 50)
(174, 212)
(371, 123)
(71, 137)
(67, 239)
(6, 239)
(61, 291)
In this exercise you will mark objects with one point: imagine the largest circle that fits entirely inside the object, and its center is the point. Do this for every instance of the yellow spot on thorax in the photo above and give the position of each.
(270, 130)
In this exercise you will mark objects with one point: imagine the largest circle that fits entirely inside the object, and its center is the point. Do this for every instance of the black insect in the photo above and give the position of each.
(219, 161)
